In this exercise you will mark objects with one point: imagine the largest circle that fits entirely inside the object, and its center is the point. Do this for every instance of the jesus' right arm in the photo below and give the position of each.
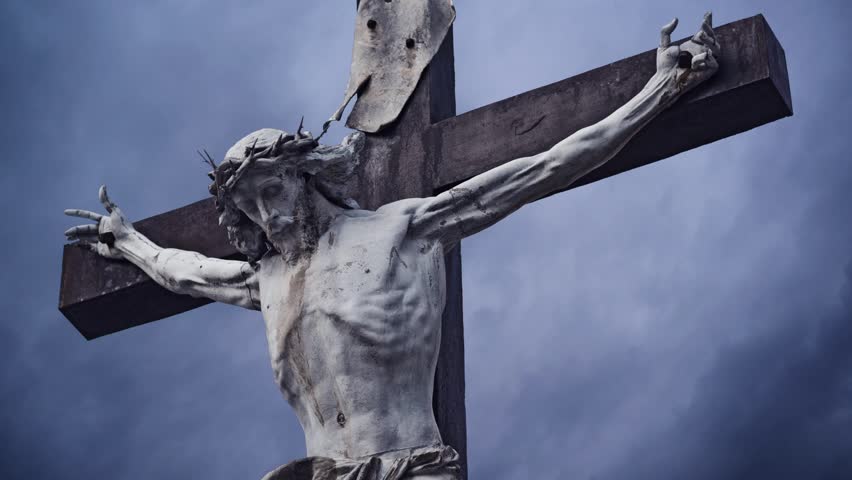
(180, 271)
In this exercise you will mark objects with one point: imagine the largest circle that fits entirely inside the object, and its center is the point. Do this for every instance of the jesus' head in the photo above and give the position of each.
(270, 183)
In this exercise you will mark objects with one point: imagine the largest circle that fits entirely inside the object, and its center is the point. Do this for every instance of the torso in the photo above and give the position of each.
(354, 334)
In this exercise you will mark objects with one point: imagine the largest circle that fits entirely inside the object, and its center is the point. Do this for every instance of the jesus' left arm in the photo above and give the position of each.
(489, 197)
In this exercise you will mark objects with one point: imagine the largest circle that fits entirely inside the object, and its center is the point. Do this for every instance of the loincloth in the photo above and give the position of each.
(440, 462)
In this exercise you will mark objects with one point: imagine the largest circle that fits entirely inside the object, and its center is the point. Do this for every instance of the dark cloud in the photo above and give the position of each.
(779, 406)
(687, 319)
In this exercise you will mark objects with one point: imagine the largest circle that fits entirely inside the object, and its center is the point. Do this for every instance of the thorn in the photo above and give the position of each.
(299, 130)
(210, 157)
(206, 158)
(251, 156)
(276, 147)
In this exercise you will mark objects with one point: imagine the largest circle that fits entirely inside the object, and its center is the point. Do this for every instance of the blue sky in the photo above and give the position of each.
(688, 319)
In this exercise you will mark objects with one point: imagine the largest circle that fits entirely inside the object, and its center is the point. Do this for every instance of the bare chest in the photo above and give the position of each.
(368, 287)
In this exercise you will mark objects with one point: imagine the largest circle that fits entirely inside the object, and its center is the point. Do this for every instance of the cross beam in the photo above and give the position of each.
(750, 89)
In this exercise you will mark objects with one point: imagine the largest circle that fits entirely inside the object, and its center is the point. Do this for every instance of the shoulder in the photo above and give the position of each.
(392, 219)
(406, 206)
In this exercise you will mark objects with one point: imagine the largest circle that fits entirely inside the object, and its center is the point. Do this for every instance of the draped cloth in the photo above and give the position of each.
(436, 462)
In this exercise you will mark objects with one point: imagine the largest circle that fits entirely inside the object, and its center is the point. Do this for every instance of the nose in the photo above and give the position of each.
(263, 210)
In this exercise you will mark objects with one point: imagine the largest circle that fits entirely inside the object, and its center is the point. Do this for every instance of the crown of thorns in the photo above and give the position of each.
(228, 173)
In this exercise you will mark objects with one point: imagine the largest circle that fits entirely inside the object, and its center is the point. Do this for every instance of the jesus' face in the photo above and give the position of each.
(273, 197)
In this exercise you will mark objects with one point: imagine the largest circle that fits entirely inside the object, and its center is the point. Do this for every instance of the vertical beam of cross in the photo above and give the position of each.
(398, 164)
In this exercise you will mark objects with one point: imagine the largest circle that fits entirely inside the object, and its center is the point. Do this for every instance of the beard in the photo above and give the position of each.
(249, 240)
(295, 236)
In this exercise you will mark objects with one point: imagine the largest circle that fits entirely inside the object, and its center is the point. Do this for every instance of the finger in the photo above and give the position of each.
(711, 63)
(714, 47)
(666, 33)
(82, 230)
(102, 194)
(707, 25)
(707, 28)
(82, 239)
(699, 62)
(704, 61)
(87, 238)
(73, 212)
(98, 248)
(104, 251)
(702, 38)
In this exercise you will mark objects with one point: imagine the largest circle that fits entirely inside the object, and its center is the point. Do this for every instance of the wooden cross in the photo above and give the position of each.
(429, 149)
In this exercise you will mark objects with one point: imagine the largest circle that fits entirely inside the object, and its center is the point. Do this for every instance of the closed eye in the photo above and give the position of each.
(246, 206)
(272, 190)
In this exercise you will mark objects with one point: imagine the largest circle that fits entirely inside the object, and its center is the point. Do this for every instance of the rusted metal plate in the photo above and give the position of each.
(394, 43)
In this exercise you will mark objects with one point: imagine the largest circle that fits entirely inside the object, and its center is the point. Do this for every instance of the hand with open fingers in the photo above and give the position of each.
(693, 61)
(102, 236)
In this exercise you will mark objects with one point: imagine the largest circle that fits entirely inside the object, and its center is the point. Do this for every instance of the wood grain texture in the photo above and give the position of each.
(448, 399)
(750, 89)
(400, 164)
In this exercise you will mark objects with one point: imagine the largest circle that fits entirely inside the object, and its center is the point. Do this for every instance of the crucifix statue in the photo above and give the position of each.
(351, 251)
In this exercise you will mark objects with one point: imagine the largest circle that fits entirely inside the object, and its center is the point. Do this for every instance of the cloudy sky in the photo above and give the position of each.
(691, 319)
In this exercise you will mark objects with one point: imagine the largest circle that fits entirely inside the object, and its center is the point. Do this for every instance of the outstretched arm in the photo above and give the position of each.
(181, 271)
(487, 198)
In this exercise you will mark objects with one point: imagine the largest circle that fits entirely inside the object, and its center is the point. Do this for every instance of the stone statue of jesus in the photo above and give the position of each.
(352, 299)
